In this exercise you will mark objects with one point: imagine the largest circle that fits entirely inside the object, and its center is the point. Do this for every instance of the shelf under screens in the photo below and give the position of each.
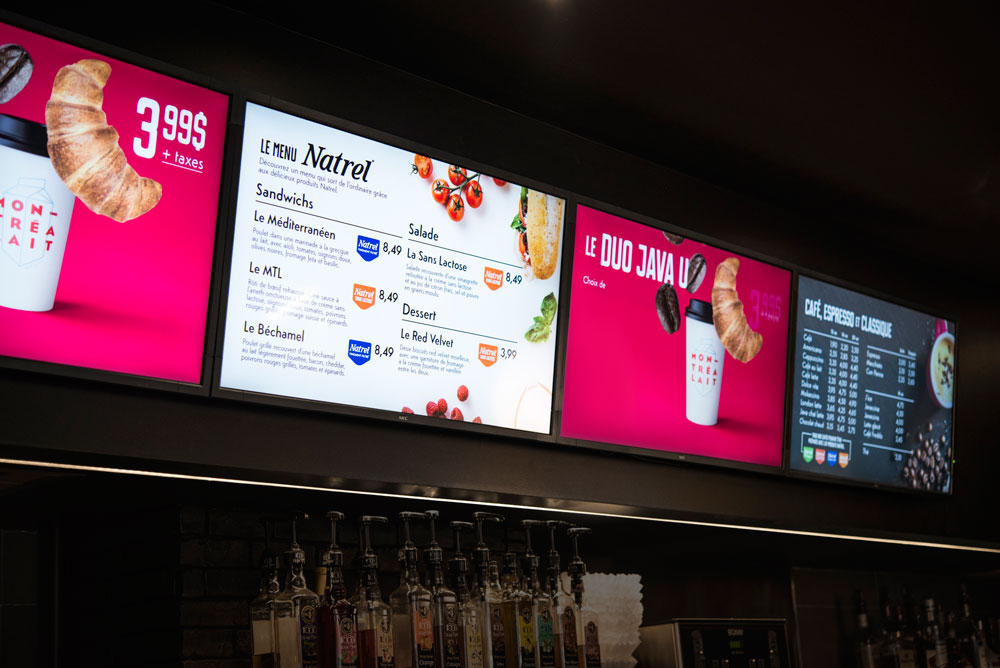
(351, 286)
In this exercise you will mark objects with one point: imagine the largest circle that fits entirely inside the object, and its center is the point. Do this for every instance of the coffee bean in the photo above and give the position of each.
(696, 272)
(675, 239)
(15, 70)
(667, 308)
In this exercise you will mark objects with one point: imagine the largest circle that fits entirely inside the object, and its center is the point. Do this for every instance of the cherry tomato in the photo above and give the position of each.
(439, 191)
(455, 207)
(457, 175)
(424, 165)
(473, 194)
(499, 182)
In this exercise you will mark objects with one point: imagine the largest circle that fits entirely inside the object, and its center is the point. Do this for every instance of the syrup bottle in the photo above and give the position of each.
(412, 619)
(338, 617)
(374, 615)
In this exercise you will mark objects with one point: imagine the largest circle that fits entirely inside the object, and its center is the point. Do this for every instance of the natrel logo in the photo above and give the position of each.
(367, 248)
(493, 278)
(487, 354)
(359, 351)
(364, 296)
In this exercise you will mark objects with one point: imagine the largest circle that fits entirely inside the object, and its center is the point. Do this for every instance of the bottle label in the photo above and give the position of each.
(473, 642)
(526, 634)
(591, 646)
(451, 635)
(346, 643)
(383, 643)
(497, 637)
(310, 636)
(262, 632)
(423, 635)
(571, 653)
(907, 658)
(546, 637)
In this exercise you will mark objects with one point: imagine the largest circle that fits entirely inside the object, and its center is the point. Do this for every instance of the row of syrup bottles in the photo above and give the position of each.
(515, 621)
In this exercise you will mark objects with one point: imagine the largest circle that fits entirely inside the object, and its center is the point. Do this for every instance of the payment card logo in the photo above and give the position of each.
(367, 248)
(487, 354)
(359, 351)
(364, 296)
(493, 278)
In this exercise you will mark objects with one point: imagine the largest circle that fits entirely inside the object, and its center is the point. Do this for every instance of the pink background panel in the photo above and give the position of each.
(132, 297)
(625, 376)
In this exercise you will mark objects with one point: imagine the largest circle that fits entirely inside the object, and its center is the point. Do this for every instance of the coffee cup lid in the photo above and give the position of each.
(24, 135)
(699, 310)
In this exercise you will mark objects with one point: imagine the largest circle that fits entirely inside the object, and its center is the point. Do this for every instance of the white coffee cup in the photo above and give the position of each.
(705, 356)
(35, 210)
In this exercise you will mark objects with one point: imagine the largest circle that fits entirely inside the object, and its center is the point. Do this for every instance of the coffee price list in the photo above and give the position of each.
(864, 402)
(370, 276)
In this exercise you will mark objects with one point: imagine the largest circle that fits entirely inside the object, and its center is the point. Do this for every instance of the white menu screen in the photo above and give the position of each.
(366, 275)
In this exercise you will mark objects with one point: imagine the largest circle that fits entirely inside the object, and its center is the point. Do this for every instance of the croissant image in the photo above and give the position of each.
(727, 311)
(84, 148)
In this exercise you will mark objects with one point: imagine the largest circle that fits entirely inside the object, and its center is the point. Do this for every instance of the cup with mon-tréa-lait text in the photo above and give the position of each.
(705, 356)
(35, 210)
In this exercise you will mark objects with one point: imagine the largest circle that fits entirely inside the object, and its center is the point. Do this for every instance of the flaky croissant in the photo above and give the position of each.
(84, 148)
(727, 311)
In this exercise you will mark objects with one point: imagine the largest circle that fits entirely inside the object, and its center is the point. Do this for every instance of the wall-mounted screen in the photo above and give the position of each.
(873, 390)
(674, 345)
(109, 192)
(366, 275)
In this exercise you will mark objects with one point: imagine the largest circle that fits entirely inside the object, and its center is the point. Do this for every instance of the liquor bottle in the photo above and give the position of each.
(953, 650)
(338, 617)
(935, 652)
(470, 612)
(868, 650)
(906, 631)
(295, 610)
(412, 619)
(447, 642)
(545, 634)
(263, 648)
(588, 624)
(518, 621)
(973, 645)
(374, 616)
(889, 643)
(563, 605)
(487, 591)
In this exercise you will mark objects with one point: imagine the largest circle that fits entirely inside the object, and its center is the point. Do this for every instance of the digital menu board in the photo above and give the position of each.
(873, 390)
(109, 192)
(370, 276)
(674, 345)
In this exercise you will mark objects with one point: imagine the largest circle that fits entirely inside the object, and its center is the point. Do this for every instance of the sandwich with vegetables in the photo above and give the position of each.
(538, 224)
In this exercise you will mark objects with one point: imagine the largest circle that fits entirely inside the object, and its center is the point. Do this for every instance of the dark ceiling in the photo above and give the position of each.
(874, 112)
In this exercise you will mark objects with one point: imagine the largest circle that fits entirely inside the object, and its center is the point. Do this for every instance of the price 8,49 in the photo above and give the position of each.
(179, 125)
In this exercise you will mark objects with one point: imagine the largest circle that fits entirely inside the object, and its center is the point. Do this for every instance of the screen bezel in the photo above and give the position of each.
(365, 132)
(202, 387)
(854, 482)
(667, 455)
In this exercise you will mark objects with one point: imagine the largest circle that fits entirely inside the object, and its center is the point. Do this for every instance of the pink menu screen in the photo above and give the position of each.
(674, 345)
(109, 191)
